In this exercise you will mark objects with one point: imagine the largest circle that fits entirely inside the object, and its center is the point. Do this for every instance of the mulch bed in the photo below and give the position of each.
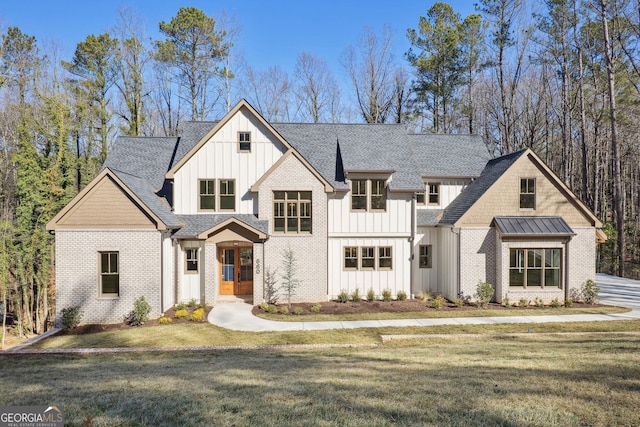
(413, 305)
(95, 328)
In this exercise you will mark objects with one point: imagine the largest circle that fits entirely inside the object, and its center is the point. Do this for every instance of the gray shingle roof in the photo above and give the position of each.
(196, 224)
(143, 190)
(332, 149)
(428, 217)
(533, 226)
(490, 174)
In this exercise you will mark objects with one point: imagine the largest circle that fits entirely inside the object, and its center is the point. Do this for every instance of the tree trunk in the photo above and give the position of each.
(615, 157)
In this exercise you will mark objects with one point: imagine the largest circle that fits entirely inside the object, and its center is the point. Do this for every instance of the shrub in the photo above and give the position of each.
(401, 295)
(271, 286)
(264, 306)
(568, 303)
(181, 306)
(386, 295)
(203, 305)
(371, 295)
(197, 315)
(458, 302)
(181, 314)
(425, 296)
(538, 302)
(273, 309)
(140, 313)
(555, 303)
(523, 302)
(316, 308)
(71, 317)
(438, 302)
(165, 320)
(284, 310)
(484, 293)
(343, 296)
(589, 292)
(355, 295)
(506, 302)
(298, 311)
(192, 303)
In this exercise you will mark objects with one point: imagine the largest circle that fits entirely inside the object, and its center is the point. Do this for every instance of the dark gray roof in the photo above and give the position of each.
(196, 224)
(146, 157)
(428, 217)
(490, 174)
(533, 226)
(332, 149)
(143, 190)
(384, 147)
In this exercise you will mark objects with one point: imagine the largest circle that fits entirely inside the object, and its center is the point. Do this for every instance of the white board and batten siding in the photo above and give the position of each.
(449, 190)
(190, 283)
(394, 222)
(219, 158)
(425, 279)
(395, 279)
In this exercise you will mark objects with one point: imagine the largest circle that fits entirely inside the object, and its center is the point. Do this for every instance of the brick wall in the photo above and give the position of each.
(477, 258)
(310, 250)
(77, 272)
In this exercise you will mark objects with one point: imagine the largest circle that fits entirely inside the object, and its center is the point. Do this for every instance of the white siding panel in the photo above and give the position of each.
(396, 219)
(168, 273)
(396, 279)
(449, 190)
(189, 284)
(425, 279)
(219, 159)
(448, 256)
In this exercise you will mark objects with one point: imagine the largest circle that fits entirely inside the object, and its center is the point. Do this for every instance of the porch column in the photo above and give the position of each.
(210, 273)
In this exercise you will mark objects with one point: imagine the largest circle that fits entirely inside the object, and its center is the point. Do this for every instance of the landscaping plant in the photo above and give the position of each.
(140, 313)
(589, 292)
(71, 317)
(484, 293)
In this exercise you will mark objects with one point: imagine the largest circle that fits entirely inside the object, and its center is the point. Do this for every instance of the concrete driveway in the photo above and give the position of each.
(618, 291)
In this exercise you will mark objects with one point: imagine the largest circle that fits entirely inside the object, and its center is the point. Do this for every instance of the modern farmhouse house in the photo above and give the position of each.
(361, 206)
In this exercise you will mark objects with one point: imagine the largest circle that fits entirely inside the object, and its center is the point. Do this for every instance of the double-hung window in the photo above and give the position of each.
(368, 195)
(109, 274)
(425, 257)
(292, 211)
(217, 195)
(351, 258)
(527, 193)
(191, 260)
(434, 193)
(244, 142)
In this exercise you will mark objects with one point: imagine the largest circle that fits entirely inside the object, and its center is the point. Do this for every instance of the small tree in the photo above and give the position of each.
(140, 313)
(589, 292)
(290, 282)
(484, 293)
(270, 292)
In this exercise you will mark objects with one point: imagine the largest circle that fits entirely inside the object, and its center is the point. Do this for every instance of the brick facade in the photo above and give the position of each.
(310, 250)
(77, 272)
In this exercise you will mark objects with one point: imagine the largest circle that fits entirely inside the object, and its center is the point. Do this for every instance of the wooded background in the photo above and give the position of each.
(561, 77)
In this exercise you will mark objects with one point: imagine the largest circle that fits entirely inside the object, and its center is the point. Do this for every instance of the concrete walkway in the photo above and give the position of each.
(613, 291)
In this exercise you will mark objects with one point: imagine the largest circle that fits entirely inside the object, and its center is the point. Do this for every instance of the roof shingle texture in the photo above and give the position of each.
(331, 149)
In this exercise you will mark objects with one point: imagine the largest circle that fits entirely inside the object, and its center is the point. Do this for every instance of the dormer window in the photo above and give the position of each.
(368, 195)
(527, 193)
(244, 142)
(434, 193)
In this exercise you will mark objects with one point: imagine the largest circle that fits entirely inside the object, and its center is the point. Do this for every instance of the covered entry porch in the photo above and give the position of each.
(229, 257)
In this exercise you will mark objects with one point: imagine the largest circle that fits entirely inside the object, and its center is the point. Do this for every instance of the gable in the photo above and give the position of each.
(104, 205)
(553, 198)
(243, 117)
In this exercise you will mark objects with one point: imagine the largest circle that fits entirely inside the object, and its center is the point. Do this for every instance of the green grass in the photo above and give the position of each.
(184, 335)
(436, 314)
(524, 381)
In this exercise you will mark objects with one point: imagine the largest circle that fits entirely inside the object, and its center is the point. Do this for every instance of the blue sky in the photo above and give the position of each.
(272, 32)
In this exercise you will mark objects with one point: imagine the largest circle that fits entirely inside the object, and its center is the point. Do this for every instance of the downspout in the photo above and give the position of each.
(566, 270)
(162, 273)
(411, 242)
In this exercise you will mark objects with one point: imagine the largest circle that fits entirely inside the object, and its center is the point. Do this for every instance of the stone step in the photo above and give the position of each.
(234, 299)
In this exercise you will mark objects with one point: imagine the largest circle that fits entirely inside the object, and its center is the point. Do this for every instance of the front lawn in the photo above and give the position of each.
(524, 381)
(202, 334)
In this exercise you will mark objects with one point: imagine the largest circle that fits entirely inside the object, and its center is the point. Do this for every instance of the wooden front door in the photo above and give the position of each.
(236, 271)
